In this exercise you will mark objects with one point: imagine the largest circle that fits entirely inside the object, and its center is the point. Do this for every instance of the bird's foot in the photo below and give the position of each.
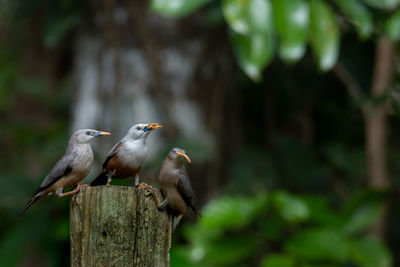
(149, 189)
(73, 192)
(77, 189)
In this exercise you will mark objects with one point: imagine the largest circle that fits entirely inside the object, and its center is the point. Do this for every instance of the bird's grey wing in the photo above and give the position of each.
(62, 168)
(185, 189)
(111, 154)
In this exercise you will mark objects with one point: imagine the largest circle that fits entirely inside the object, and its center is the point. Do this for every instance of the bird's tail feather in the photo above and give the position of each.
(35, 198)
(175, 221)
(101, 179)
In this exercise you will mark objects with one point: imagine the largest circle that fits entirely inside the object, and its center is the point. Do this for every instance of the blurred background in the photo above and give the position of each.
(289, 110)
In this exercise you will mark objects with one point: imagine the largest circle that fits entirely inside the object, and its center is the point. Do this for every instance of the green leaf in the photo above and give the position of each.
(324, 34)
(292, 209)
(383, 4)
(176, 8)
(260, 16)
(392, 26)
(248, 16)
(362, 218)
(369, 252)
(277, 260)
(236, 14)
(291, 19)
(321, 213)
(227, 251)
(359, 15)
(253, 53)
(319, 244)
(232, 212)
(252, 35)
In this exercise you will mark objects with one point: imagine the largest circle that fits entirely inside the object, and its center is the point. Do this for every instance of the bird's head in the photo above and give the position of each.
(178, 155)
(142, 130)
(84, 136)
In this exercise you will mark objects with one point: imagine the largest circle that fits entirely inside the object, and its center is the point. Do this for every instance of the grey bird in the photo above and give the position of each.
(175, 186)
(71, 169)
(125, 159)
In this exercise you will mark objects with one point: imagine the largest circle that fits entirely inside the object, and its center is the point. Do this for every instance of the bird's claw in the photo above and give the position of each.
(149, 189)
(76, 191)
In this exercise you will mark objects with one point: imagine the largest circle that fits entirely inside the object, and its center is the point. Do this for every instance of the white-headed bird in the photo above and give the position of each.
(71, 169)
(125, 159)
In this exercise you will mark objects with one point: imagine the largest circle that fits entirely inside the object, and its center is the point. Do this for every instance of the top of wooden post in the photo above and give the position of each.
(118, 226)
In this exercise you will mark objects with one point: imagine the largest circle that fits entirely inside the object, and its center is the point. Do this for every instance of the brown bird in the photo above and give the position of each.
(175, 186)
(127, 156)
(72, 168)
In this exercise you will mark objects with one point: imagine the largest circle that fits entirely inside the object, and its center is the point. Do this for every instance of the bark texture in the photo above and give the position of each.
(118, 226)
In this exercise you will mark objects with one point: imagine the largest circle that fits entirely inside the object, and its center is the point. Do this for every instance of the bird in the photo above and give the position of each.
(71, 169)
(175, 186)
(127, 156)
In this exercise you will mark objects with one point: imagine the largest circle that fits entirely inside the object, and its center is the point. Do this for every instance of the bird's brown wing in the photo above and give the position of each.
(111, 154)
(102, 178)
(62, 168)
(186, 191)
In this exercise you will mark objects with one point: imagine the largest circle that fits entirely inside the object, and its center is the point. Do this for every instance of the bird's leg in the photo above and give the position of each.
(72, 192)
(136, 179)
(163, 204)
(78, 188)
(150, 191)
(108, 180)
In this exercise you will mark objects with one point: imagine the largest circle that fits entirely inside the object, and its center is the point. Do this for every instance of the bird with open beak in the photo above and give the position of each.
(71, 169)
(175, 186)
(127, 156)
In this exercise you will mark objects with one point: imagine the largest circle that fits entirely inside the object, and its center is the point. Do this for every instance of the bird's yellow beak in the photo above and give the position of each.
(99, 133)
(184, 155)
(152, 126)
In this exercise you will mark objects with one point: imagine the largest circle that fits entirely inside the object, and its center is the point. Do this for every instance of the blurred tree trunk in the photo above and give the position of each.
(375, 116)
(376, 126)
(133, 66)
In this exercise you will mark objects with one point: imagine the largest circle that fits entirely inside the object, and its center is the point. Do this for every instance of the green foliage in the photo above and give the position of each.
(252, 32)
(392, 26)
(232, 213)
(297, 231)
(291, 18)
(383, 4)
(359, 15)
(258, 28)
(179, 8)
(277, 260)
(291, 209)
(324, 34)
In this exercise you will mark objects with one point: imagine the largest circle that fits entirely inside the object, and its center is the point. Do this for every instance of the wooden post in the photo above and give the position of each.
(118, 226)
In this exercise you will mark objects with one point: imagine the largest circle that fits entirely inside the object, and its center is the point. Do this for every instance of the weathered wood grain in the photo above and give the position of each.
(118, 226)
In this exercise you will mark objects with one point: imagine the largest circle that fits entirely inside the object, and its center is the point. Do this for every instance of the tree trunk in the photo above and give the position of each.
(376, 128)
(118, 226)
(376, 116)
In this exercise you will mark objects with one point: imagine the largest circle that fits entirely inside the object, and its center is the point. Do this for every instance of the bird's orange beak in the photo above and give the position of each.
(99, 133)
(184, 155)
(153, 126)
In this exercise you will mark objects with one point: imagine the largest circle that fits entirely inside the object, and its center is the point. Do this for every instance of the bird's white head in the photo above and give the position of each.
(84, 136)
(142, 130)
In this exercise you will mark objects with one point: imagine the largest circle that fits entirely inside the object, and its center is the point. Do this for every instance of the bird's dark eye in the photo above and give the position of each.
(138, 128)
(88, 132)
